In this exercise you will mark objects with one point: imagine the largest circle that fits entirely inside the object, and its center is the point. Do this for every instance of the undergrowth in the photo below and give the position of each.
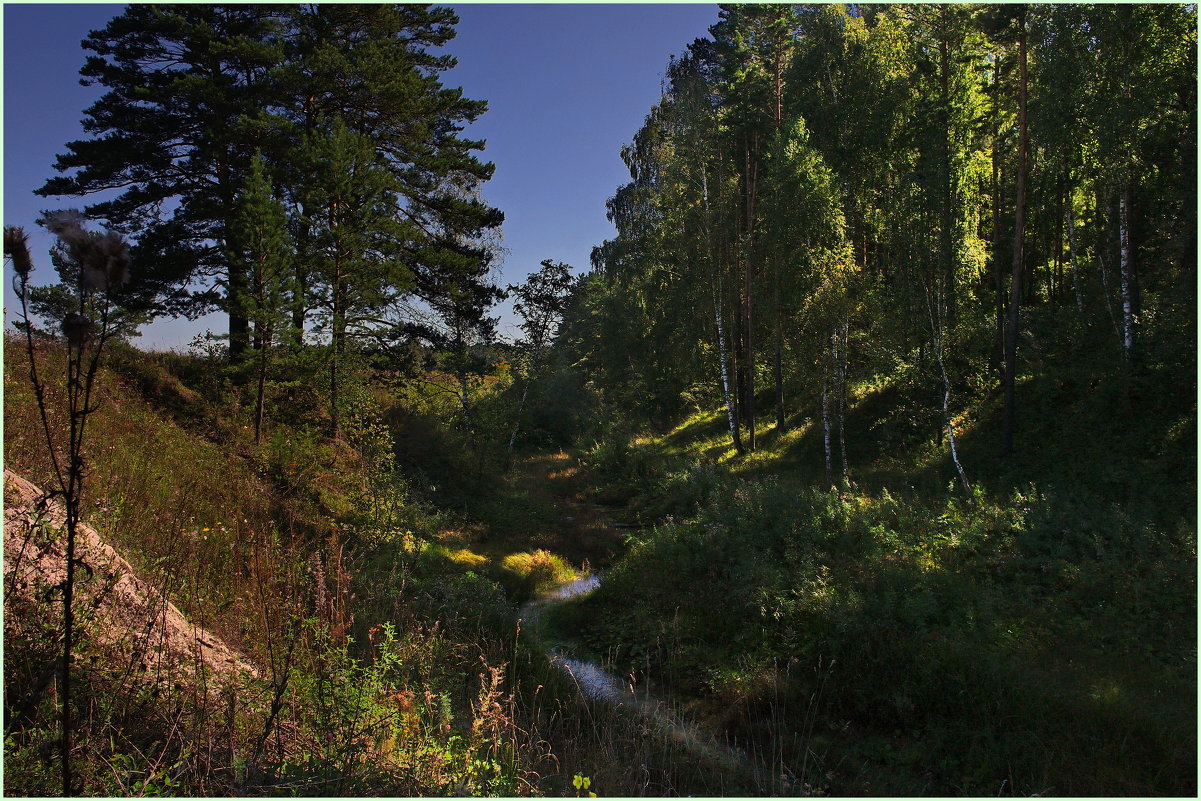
(382, 664)
(1019, 643)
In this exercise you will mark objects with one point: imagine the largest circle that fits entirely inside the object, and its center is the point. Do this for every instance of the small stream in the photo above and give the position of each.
(581, 586)
(593, 681)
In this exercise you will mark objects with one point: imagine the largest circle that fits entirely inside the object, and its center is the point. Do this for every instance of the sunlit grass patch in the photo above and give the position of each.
(536, 572)
(461, 557)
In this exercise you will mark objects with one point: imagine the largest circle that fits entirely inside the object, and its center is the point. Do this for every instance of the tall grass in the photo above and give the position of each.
(297, 553)
(956, 647)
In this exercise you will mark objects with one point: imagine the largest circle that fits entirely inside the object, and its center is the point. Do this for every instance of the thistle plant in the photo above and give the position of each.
(96, 263)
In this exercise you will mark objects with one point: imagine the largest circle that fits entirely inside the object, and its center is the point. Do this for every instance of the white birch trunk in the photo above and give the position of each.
(719, 323)
(936, 335)
(721, 357)
(841, 361)
(1128, 311)
(826, 426)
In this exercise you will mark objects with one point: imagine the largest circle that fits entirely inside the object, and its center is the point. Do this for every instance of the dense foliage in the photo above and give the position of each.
(881, 404)
(825, 193)
(939, 262)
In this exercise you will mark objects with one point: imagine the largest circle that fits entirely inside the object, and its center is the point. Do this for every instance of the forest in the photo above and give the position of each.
(860, 461)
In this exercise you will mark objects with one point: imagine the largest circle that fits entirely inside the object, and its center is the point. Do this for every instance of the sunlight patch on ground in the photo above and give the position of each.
(1106, 691)
(466, 557)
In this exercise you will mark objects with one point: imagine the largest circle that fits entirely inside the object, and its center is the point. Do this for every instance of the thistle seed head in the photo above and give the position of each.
(68, 222)
(103, 259)
(77, 329)
(16, 247)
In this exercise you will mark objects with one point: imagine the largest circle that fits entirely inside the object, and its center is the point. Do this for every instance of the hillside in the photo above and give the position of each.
(861, 462)
(379, 630)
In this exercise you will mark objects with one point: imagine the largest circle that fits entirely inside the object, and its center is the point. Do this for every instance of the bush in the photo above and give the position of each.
(950, 621)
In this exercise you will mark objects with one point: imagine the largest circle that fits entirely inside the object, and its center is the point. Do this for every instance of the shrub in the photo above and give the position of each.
(944, 620)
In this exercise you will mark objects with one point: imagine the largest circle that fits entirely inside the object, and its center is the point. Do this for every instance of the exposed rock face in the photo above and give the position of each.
(117, 609)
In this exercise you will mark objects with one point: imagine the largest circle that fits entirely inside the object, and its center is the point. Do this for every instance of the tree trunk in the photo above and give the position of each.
(239, 281)
(946, 230)
(1019, 231)
(1130, 299)
(298, 301)
(841, 362)
(338, 336)
(731, 416)
(719, 323)
(749, 366)
(259, 400)
(521, 407)
(936, 336)
(826, 425)
(264, 334)
(1058, 294)
(738, 356)
(465, 401)
(778, 349)
(998, 270)
(239, 323)
(778, 360)
(304, 235)
(748, 300)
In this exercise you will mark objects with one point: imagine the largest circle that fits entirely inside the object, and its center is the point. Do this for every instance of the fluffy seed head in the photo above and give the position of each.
(77, 329)
(16, 247)
(65, 221)
(103, 259)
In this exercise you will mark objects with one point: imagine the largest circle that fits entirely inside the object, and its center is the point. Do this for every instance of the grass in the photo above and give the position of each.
(323, 569)
(891, 636)
(1036, 637)
(381, 617)
(935, 628)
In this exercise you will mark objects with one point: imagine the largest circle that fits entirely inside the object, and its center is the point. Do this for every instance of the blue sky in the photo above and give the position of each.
(567, 86)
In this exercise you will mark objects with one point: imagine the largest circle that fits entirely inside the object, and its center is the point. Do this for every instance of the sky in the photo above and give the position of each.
(567, 85)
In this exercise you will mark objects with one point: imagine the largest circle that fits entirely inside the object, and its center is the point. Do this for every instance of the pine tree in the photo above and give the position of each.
(176, 130)
(265, 256)
(242, 79)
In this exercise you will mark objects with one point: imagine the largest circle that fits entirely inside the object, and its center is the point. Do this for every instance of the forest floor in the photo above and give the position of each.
(590, 534)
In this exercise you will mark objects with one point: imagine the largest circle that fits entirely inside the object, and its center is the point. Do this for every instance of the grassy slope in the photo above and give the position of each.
(388, 600)
(302, 554)
(1044, 639)
(896, 638)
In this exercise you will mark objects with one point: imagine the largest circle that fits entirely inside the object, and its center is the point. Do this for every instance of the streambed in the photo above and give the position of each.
(591, 679)
(594, 682)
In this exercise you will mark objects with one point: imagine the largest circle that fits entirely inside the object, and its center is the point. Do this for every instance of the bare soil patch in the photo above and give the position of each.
(115, 608)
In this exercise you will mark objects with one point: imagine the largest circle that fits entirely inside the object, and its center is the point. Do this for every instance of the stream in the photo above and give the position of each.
(594, 682)
(591, 679)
